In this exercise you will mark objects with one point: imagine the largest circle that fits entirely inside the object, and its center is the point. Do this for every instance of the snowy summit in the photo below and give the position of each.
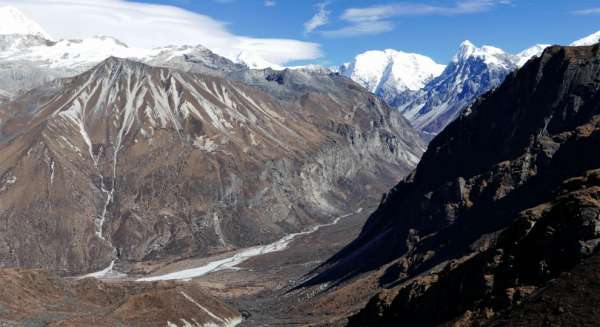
(404, 71)
(490, 55)
(14, 22)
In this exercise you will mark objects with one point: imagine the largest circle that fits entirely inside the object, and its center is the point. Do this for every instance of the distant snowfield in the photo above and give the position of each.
(231, 262)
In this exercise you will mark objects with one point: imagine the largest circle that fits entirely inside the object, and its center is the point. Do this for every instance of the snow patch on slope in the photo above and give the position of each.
(222, 321)
(588, 40)
(535, 51)
(254, 61)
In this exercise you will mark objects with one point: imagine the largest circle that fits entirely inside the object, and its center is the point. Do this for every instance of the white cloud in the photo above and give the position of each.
(586, 12)
(148, 25)
(377, 19)
(361, 28)
(376, 13)
(319, 19)
(270, 3)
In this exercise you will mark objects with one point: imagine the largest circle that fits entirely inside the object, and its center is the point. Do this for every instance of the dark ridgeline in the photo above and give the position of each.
(505, 199)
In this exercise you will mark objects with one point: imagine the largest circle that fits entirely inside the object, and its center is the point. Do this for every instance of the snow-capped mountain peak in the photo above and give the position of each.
(489, 54)
(472, 72)
(379, 70)
(465, 50)
(17, 30)
(588, 40)
(71, 54)
(12, 21)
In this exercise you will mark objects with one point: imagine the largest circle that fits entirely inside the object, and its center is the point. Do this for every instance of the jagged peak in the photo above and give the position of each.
(114, 61)
(468, 50)
(467, 44)
(490, 55)
(113, 65)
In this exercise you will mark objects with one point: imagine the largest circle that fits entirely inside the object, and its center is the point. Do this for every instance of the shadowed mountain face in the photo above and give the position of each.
(137, 163)
(504, 199)
(572, 300)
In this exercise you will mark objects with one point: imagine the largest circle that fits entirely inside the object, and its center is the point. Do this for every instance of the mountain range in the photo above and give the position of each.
(435, 99)
(432, 95)
(29, 57)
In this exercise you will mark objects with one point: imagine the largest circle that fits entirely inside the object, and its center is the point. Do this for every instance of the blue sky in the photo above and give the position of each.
(291, 32)
(511, 25)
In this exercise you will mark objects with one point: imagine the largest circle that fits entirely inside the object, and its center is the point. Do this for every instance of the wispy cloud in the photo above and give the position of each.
(150, 25)
(270, 3)
(587, 12)
(378, 19)
(361, 28)
(319, 19)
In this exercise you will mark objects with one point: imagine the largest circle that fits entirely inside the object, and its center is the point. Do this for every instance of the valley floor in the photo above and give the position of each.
(258, 287)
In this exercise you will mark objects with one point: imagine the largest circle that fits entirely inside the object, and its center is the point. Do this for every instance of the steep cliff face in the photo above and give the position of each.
(128, 162)
(503, 200)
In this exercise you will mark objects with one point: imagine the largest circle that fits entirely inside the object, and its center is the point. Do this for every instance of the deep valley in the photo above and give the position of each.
(183, 186)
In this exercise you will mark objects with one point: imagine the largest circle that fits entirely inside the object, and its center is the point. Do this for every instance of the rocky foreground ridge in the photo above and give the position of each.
(504, 201)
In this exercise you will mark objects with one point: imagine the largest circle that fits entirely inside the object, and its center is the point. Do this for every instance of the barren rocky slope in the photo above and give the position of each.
(515, 204)
(131, 163)
(37, 298)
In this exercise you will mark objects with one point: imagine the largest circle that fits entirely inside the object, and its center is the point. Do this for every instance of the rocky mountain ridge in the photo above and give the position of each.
(74, 146)
(515, 206)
